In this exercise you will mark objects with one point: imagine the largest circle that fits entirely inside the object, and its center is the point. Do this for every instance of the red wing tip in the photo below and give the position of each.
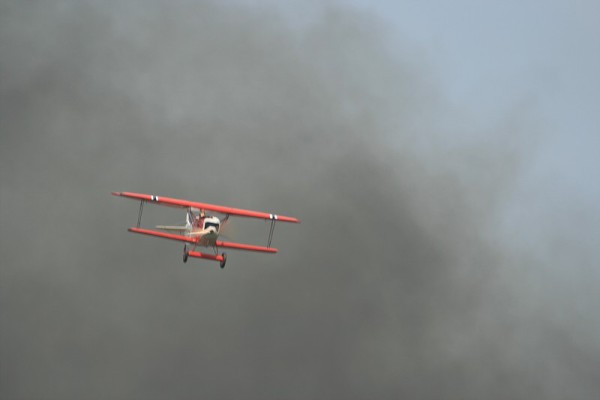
(116, 193)
(284, 218)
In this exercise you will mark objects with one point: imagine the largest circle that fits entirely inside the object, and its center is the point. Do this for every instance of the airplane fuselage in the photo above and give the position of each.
(206, 228)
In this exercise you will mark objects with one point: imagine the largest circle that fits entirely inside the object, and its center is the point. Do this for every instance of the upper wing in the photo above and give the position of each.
(204, 206)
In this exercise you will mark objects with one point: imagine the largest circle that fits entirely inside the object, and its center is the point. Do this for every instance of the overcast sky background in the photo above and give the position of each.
(494, 57)
(490, 59)
(443, 159)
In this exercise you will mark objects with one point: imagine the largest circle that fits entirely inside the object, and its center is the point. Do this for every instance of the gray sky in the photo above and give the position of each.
(489, 57)
(443, 166)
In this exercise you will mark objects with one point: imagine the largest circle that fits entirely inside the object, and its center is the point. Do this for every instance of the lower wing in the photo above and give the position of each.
(247, 247)
(194, 240)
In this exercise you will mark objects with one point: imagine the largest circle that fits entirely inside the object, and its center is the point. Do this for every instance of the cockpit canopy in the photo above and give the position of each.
(196, 219)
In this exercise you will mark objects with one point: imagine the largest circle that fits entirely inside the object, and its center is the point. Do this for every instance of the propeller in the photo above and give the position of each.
(227, 231)
(201, 232)
(224, 229)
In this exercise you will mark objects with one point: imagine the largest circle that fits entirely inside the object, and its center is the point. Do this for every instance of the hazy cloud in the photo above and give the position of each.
(395, 283)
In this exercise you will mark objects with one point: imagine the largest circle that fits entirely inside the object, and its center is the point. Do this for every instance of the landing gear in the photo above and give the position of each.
(224, 255)
(186, 253)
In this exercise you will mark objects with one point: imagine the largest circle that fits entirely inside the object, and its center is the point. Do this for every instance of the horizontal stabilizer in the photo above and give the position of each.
(163, 235)
(172, 228)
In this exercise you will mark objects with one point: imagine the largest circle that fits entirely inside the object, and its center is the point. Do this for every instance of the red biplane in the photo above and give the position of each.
(201, 229)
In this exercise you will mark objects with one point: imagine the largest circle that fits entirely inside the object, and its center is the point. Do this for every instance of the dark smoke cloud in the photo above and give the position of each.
(394, 284)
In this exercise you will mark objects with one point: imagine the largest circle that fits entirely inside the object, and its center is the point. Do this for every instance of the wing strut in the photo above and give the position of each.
(140, 214)
(271, 232)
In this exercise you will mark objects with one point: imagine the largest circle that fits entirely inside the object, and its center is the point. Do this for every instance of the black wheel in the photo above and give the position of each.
(185, 253)
(224, 260)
